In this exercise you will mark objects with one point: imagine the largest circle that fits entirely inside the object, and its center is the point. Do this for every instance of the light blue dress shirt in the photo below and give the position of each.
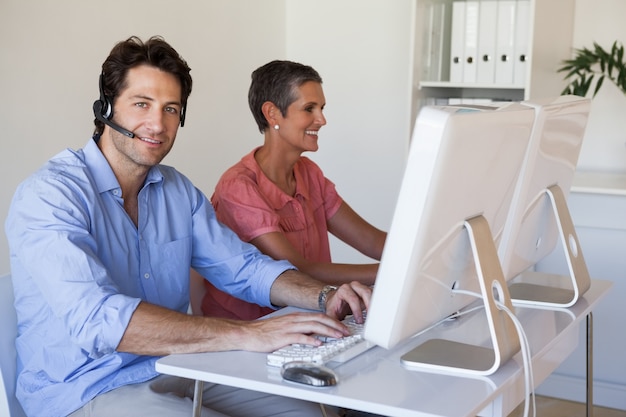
(80, 267)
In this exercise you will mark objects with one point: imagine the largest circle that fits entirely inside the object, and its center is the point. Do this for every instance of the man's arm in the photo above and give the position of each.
(293, 288)
(296, 289)
(157, 331)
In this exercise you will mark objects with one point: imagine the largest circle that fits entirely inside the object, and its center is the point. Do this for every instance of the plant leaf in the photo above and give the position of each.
(588, 64)
(598, 85)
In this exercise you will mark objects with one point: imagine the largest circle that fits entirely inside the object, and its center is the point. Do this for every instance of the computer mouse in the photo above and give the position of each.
(309, 373)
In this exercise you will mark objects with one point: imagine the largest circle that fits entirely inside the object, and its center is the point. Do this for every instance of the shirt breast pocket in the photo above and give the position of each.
(292, 224)
(173, 260)
(292, 217)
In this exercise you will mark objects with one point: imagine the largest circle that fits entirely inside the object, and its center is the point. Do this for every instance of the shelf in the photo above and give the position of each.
(434, 41)
(448, 84)
(591, 182)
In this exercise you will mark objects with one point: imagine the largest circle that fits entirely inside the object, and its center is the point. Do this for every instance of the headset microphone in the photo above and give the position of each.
(103, 110)
(97, 111)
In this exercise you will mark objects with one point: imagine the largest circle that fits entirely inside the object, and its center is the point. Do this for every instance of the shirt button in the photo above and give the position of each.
(146, 276)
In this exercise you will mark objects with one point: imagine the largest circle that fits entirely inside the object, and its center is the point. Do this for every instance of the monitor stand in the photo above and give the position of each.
(535, 292)
(448, 356)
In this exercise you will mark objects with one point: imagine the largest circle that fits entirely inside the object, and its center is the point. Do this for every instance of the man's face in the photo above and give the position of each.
(150, 107)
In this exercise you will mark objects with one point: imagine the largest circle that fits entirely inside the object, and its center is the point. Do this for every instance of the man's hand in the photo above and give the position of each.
(273, 333)
(353, 297)
(267, 335)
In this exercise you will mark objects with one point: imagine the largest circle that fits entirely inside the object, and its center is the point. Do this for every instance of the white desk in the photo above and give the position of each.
(376, 381)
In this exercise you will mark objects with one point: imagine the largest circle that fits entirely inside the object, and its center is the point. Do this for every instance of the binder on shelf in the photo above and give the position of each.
(435, 64)
(470, 39)
(454, 101)
(486, 54)
(457, 41)
(505, 38)
(522, 31)
(479, 46)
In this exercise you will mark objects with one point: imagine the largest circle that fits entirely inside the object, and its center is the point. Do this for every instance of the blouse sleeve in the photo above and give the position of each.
(240, 205)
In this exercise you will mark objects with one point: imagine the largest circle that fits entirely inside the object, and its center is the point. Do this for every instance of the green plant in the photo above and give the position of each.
(598, 64)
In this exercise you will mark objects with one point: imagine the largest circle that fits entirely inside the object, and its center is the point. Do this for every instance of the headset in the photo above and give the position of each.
(103, 111)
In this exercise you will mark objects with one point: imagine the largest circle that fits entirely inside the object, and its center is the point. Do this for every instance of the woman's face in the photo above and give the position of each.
(304, 117)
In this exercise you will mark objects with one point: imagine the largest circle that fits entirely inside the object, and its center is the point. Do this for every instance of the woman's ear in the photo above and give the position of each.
(271, 112)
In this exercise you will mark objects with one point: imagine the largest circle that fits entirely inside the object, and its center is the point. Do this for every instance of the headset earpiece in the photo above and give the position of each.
(105, 106)
(182, 116)
(103, 110)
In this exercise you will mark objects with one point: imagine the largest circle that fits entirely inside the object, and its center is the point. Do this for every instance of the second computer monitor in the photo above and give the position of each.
(539, 216)
(463, 166)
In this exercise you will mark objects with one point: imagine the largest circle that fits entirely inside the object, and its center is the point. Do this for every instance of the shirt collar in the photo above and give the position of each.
(266, 184)
(102, 172)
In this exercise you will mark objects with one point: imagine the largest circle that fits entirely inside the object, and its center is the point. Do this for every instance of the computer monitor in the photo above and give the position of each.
(454, 199)
(539, 216)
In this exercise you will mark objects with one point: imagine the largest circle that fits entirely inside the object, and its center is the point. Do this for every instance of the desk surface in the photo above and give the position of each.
(377, 382)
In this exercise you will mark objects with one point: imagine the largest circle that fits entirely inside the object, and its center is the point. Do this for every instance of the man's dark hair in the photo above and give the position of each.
(133, 52)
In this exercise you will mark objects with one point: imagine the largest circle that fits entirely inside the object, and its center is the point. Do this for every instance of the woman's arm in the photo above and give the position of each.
(352, 229)
(349, 227)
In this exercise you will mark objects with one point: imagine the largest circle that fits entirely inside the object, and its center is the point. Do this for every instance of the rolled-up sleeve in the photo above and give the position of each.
(55, 255)
(232, 265)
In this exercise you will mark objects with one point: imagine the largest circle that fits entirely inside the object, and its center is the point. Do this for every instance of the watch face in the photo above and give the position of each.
(321, 300)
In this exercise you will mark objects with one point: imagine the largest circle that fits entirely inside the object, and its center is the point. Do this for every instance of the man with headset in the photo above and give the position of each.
(101, 243)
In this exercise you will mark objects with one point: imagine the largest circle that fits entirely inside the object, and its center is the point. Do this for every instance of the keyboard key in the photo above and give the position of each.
(332, 350)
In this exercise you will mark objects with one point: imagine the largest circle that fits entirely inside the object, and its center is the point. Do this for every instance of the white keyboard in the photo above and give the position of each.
(332, 350)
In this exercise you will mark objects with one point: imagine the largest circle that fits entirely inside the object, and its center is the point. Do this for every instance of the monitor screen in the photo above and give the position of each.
(463, 163)
(539, 218)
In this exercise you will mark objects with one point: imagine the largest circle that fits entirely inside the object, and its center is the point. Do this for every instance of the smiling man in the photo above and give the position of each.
(102, 240)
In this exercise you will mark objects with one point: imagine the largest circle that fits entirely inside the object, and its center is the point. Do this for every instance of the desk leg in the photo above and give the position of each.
(590, 365)
(197, 398)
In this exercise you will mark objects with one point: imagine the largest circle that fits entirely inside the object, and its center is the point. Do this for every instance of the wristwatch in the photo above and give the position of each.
(321, 299)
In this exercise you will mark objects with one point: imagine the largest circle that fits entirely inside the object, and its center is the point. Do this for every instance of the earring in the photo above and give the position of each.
(276, 127)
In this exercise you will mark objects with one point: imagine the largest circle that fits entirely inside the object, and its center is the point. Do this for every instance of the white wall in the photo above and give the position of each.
(363, 51)
(52, 53)
(604, 147)
(51, 58)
